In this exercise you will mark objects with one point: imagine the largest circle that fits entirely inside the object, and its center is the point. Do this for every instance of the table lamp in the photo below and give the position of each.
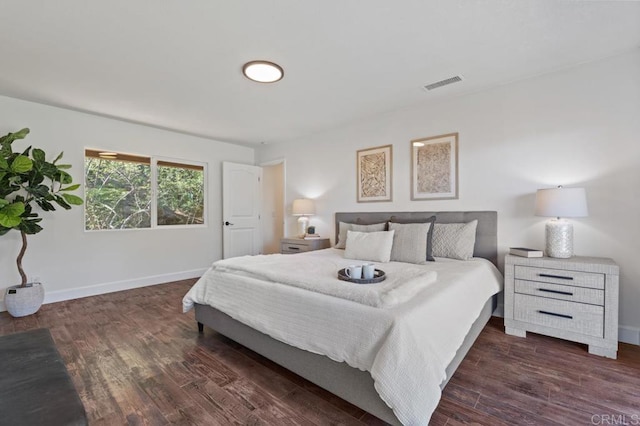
(303, 207)
(560, 203)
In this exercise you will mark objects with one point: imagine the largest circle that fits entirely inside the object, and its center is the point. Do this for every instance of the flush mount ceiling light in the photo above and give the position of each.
(263, 71)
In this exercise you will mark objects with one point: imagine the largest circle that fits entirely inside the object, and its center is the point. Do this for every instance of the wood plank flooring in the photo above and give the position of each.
(135, 359)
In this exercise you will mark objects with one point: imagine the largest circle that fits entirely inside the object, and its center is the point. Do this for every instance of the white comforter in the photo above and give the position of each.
(405, 348)
(319, 274)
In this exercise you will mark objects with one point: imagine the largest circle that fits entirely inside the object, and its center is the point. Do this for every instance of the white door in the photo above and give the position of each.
(241, 202)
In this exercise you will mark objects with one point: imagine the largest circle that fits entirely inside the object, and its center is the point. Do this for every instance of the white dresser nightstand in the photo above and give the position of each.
(574, 299)
(300, 245)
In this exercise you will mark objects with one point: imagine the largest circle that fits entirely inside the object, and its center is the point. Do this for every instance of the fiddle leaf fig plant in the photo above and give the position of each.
(28, 180)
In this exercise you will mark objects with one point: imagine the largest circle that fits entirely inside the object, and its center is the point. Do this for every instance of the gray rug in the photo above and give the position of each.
(35, 388)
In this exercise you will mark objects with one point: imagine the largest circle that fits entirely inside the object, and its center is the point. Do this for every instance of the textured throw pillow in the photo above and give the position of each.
(344, 227)
(430, 220)
(410, 242)
(454, 240)
(369, 246)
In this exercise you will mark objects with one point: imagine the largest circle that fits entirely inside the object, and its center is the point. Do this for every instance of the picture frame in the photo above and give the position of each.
(434, 168)
(374, 174)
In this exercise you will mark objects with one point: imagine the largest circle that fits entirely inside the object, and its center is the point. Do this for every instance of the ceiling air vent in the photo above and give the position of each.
(444, 82)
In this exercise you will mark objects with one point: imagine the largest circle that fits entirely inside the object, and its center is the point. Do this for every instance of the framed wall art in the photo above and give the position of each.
(374, 174)
(434, 168)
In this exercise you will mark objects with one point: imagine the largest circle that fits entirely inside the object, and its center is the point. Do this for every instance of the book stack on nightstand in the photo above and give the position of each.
(574, 299)
(525, 252)
(311, 236)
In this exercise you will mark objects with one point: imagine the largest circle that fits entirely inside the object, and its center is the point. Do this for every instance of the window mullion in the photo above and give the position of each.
(154, 192)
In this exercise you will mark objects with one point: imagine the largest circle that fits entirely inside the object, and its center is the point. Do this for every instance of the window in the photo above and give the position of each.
(125, 191)
(180, 193)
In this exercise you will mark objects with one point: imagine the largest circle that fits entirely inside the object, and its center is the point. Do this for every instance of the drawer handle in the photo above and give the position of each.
(560, 277)
(567, 293)
(294, 248)
(556, 315)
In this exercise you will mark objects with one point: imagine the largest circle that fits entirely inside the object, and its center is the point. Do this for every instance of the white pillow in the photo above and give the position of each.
(370, 246)
(454, 240)
(344, 227)
(410, 242)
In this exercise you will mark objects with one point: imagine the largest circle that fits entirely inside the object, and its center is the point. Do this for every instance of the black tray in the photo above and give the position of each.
(378, 276)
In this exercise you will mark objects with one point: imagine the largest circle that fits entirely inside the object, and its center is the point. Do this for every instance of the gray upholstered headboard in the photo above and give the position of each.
(486, 233)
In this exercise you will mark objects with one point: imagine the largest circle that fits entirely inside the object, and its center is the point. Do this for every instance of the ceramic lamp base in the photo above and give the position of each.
(559, 235)
(303, 222)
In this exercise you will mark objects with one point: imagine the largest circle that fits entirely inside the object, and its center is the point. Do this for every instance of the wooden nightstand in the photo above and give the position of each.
(299, 245)
(574, 299)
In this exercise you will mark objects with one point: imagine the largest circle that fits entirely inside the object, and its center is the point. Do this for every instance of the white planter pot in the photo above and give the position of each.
(23, 301)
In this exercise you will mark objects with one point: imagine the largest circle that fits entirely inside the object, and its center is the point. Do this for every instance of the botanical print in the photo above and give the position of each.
(433, 168)
(373, 180)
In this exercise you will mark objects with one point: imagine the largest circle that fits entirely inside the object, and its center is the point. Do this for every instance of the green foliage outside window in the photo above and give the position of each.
(119, 196)
(180, 196)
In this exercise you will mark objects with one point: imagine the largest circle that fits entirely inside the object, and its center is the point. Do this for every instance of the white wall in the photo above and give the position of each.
(578, 126)
(71, 262)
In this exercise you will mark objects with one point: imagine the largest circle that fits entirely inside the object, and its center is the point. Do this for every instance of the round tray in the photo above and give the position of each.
(378, 276)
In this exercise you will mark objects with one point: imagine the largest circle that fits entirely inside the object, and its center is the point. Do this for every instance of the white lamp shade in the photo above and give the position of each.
(561, 202)
(303, 207)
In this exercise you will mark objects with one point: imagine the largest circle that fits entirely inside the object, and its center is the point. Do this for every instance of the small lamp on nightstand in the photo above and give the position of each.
(303, 207)
(560, 202)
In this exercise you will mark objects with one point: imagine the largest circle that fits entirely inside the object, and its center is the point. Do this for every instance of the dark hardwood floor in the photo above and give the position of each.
(136, 359)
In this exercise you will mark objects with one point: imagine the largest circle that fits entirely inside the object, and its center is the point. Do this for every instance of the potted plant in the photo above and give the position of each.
(27, 180)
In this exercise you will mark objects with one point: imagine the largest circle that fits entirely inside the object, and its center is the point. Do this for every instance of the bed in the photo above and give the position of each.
(348, 378)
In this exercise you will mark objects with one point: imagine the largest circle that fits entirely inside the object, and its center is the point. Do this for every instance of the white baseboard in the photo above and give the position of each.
(628, 334)
(94, 290)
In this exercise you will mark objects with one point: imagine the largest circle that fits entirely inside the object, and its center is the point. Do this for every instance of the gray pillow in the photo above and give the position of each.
(410, 242)
(430, 220)
(454, 240)
(344, 227)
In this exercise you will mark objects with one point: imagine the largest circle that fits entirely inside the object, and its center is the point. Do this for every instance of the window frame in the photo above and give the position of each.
(153, 163)
(154, 192)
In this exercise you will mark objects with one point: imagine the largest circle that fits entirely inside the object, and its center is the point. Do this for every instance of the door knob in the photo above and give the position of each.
(227, 223)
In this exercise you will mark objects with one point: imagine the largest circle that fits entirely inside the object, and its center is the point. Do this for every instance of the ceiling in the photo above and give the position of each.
(177, 64)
